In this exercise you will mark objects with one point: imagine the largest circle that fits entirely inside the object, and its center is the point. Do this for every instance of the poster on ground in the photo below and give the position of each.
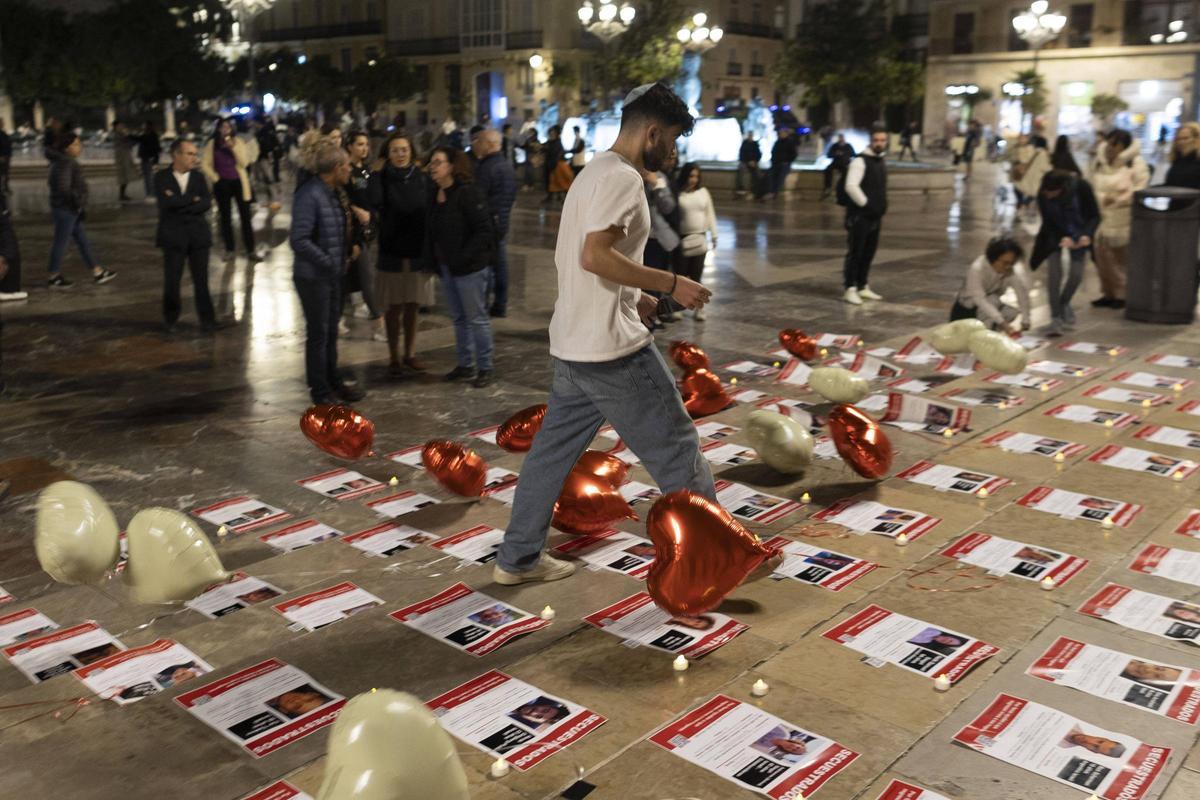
(1165, 434)
(476, 545)
(409, 456)
(1168, 562)
(1075, 505)
(279, 790)
(1146, 612)
(1164, 689)
(341, 484)
(728, 454)
(917, 413)
(241, 514)
(304, 533)
(795, 373)
(869, 367)
(868, 516)
(994, 398)
(1033, 444)
(24, 624)
(1115, 394)
(750, 505)
(130, 675)
(638, 622)
(1190, 525)
(468, 620)
(1137, 460)
(754, 749)
(506, 717)
(1077, 412)
(40, 658)
(1093, 348)
(1153, 381)
(636, 492)
(389, 538)
(816, 565)
(1055, 745)
(239, 592)
(1179, 362)
(750, 368)
(1049, 367)
(900, 790)
(1024, 380)
(401, 503)
(958, 366)
(885, 637)
(264, 707)
(949, 478)
(327, 606)
(1007, 557)
(616, 551)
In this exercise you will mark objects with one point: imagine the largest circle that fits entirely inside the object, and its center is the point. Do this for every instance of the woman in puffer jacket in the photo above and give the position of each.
(1117, 172)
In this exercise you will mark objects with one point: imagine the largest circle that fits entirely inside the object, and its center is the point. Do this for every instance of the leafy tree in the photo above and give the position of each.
(1033, 102)
(837, 53)
(890, 82)
(1105, 105)
(387, 80)
(647, 52)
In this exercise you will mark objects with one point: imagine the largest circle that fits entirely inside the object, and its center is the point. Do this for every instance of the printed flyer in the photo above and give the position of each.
(300, 534)
(948, 478)
(1115, 394)
(240, 514)
(959, 366)
(617, 551)
(499, 480)
(795, 373)
(715, 430)
(869, 367)
(899, 790)
(621, 451)
(1059, 368)
(636, 492)
(754, 749)
(1145, 611)
(1131, 458)
(468, 620)
(867, 516)
(914, 385)
(1165, 434)
(751, 505)
(1168, 562)
(238, 593)
(1074, 505)
(1163, 689)
(327, 606)
(1152, 381)
(1024, 380)
(410, 456)
(1047, 742)
(1191, 524)
(751, 368)
(486, 434)
(817, 566)
(397, 505)
(924, 414)
(5, 597)
(638, 621)
(388, 539)
(842, 341)
(1181, 362)
(996, 398)
(729, 455)
(747, 395)
(501, 715)
(884, 637)
(873, 402)
(63, 650)
(1030, 342)
(1093, 349)
(24, 624)
(264, 707)
(279, 790)
(1190, 407)
(1074, 412)
(1033, 444)
(796, 409)
(915, 350)
(475, 545)
(130, 675)
(341, 484)
(1007, 557)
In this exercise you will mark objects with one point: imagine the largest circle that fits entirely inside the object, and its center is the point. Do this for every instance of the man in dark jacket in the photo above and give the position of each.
(148, 150)
(749, 155)
(183, 233)
(1070, 216)
(783, 153)
(318, 238)
(840, 154)
(497, 181)
(865, 199)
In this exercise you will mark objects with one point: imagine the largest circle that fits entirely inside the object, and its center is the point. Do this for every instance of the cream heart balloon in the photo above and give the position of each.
(955, 337)
(170, 558)
(838, 385)
(76, 540)
(781, 442)
(999, 352)
(386, 745)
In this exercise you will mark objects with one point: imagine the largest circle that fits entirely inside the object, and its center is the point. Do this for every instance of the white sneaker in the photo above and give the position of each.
(852, 297)
(362, 312)
(343, 328)
(379, 336)
(699, 315)
(866, 294)
(548, 568)
(13, 296)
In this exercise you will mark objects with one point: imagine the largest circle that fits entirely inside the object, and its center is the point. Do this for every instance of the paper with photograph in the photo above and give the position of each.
(1136, 460)
(1168, 562)
(1033, 444)
(304, 533)
(241, 514)
(341, 484)
(401, 503)
(279, 790)
(949, 478)
(899, 790)
(1007, 557)
(235, 594)
(327, 606)
(816, 565)
(1024, 380)
(750, 505)
(40, 658)
(918, 413)
(468, 620)
(868, 516)
(616, 551)
(1144, 611)
(1060, 368)
(1075, 505)
(24, 624)
(131, 675)
(1152, 381)
(1116, 394)
(1077, 412)
(638, 622)
(475, 545)
(389, 538)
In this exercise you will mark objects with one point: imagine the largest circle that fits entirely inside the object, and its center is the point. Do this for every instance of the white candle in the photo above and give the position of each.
(775, 364)
(222, 531)
(759, 688)
(1114, 351)
(393, 481)
(901, 539)
(806, 498)
(1002, 405)
(1108, 423)
(983, 492)
(1146, 403)
(1106, 523)
(499, 768)
(1178, 476)
(1078, 373)
(547, 613)
(1045, 387)
(1047, 583)
(680, 663)
(733, 380)
(1059, 457)
(824, 352)
(948, 432)
(1178, 387)
(941, 683)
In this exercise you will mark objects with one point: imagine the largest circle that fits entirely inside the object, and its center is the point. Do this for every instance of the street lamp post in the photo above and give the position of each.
(244, 12)
(608, 21)
(1038, 26)
(696, 38)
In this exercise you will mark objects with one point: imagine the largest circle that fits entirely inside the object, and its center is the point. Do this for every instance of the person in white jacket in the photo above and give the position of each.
(999, 269)
(697, 225)
(1117, 172)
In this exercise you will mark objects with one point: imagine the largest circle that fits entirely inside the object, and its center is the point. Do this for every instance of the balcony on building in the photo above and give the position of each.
(436, 46)
(331, 31)
(523, 40)
(752, 29)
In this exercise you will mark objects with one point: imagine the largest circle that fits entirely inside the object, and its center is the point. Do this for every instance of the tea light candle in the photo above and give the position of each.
(1045, 387)
(941, 683)
(948, 432)
(680, 663)
(1114, 351)
(759, 688)
(1059, 457)
(775, 364)
(499, 768)
(1106, 523)
(983, 492)
(1108, 423)
(1178, 476)
(901, 539)
(1146, 403)
(1047, 583)
(393, 481)
(1002, 405)
(1178, 387)
(824, 351)
(222, 531)
(806, 498)
(547, 613)
(1078, 373)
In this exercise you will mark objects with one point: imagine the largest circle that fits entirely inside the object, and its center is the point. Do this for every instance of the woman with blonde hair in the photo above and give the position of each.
(1117, 172)
(225, 163)
(1185, 164)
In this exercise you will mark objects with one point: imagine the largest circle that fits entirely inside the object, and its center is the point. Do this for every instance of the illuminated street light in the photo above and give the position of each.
(608, 21)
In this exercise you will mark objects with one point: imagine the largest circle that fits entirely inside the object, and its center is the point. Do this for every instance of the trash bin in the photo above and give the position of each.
(1162, 280)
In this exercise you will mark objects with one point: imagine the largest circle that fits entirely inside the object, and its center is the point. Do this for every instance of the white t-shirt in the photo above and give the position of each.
(594, 318)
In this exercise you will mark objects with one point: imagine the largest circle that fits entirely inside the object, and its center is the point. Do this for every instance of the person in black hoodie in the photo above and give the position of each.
(840, 154)
(1070, 216)
(1062, 157)
(749, 155)
(783, 153)
(864, 194)
(462, 242)
(1185, 157)
(68, 200)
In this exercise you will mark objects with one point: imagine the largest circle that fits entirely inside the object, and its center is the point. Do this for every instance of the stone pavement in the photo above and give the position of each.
(100, 395)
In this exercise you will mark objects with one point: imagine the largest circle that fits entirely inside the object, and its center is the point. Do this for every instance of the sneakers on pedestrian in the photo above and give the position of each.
(362, 311)
(483, 379)
(1055, 328)
(1068, 318)
(698, 315)
(7, 296)
(852, 297)
(103, 276)
(548, 568)
(379, 336)
(349, 394)
(1117, 304)
(1102, 302)
(866, 294)
(59, 282)
(343, 328)
(460, 373)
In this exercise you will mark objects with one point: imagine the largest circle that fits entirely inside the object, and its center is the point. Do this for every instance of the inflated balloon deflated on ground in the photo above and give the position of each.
(77, 539)
(458, 469)
(781, 442)
(338, 430)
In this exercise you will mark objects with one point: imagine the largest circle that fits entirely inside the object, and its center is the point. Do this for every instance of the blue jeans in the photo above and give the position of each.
(467, 297)
(321, 300)
(68, 226)
(498, 278)
(638, 397)
(1059, 293)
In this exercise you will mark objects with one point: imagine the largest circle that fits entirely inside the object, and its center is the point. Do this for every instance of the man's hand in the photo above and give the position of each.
(1066, 241)
(170, 193)
(361, 215)
(1084, 241)
(690, 294)
(647, 307)
(354, 251)
(195, 198)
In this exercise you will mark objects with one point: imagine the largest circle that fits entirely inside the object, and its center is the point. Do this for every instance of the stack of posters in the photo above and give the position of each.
(637, 621)
(468, 620)
(130, 675)
(1145, 611)
(1007, 557)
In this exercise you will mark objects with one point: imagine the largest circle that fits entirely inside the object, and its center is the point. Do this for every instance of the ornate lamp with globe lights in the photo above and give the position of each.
(1038, 26)
(696, 37)
(243, 12)
(608, 21)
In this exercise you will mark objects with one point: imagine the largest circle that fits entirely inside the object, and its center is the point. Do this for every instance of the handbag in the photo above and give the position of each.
(694, 244)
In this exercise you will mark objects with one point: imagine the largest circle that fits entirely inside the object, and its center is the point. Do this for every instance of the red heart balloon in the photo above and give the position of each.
(460, 470)
(799, 344)
(338, 430)
(688, 356)
(701, 553)
(703, 393)
(860, 441)
(517, 432)
(590, 500)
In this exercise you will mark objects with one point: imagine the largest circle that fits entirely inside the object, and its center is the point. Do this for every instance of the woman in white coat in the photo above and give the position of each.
(697, 225)
(1117, 172)
(1030, 164)
(225, 163)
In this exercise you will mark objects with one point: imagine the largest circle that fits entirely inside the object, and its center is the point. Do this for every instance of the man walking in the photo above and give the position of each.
(606, 366)
(148, 151)
(183, 233)
(783, 153)
(840, 154)
(865, 199)
(497, 182)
